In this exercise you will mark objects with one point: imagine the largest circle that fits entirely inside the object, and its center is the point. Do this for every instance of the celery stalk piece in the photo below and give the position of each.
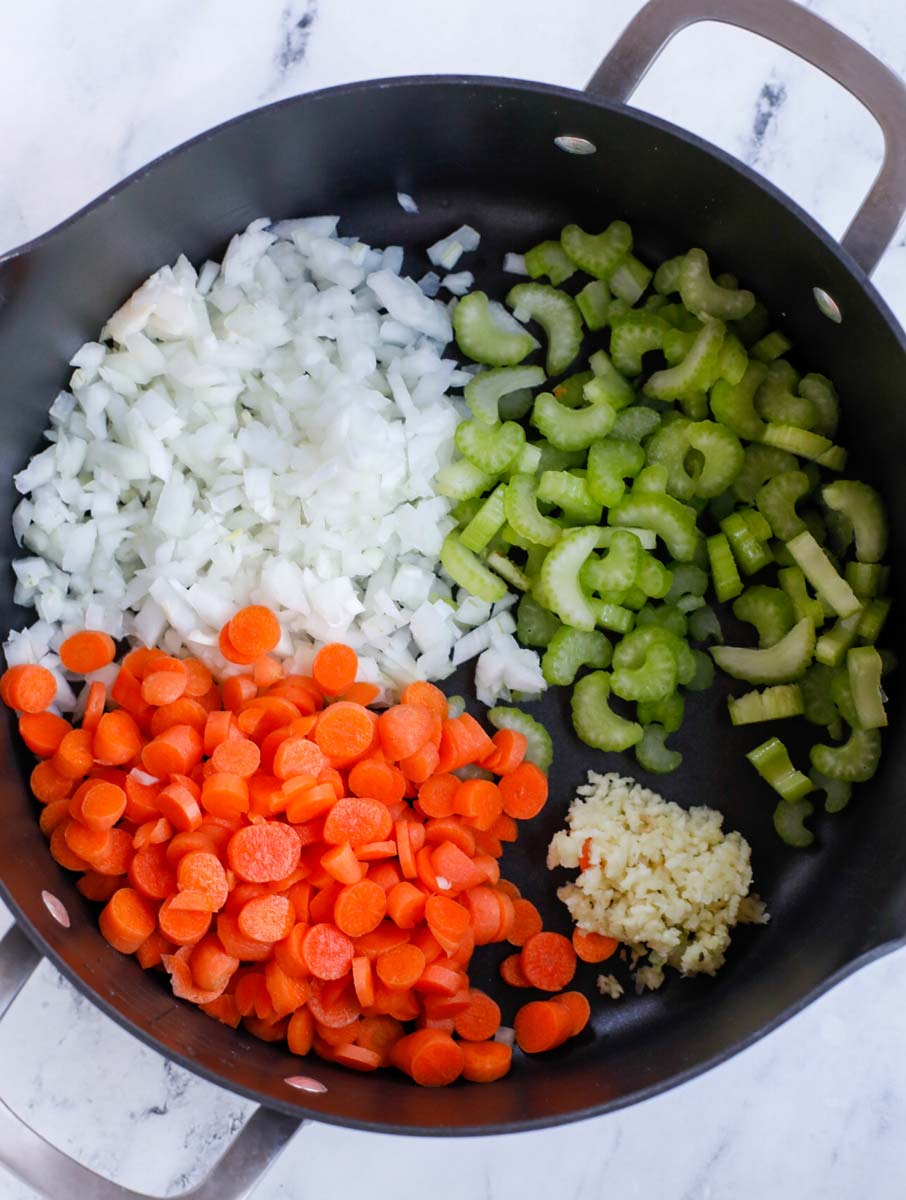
(702, 296)
(570, 494)
(704, 625)
(837, 792)
(535, 626)
(667, 713)
(821, 574)
(597, 254)
(607, 534)
(703, 677)
(557, 314)
(789, 822)
(761, 463)
(571, 390)
(864, 508)
(550, 259)
(734, 361)
(832, 645)
(652, 578)
(560, 578)
(654, 679)
(769, 609)
(612, 616)
(467, 570)
(526, 462)
(593, 719)
(873, 618)
(479, 337)
(616, 572)
(594, 304)
(651, 480)
(784, 662)
(733, 405)
(727, 582)
(486, 523)
(509, 571)
(698, 370)
(863, 665)
(540, 749)
(792, 580)
(673, 522)
(750, 552)
(635, 424)
(571, 649)
(490, 448)
(722, 453)
(485, 391)
(632, 651)
(776, 500)
(823, 396)
(867, 580)
(773, 345)
(653, 754)
(571, 428)
(815, 689)
(668, 616)
(855, 761)
(667, 276)
(777, 401)
(521, 509)
(772, 762)
(610, 462)
(462, 480)
(804, 443)
(609, 383)
(633, 336)
(771, 704)
(669, 448)
(630, 279)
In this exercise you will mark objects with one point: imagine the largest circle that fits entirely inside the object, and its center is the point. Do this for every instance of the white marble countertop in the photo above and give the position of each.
(91, 91)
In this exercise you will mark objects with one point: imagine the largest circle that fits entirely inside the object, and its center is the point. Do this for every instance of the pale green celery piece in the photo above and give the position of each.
(515, 405)
(783, 662)
(832, 645)
(673, 522)
(864, 508)
(467, 570)
(462, 480)
(796, 441)
(722, 453)
(696, 372)
(863, 665)
(677, 344)
(610, 384)
(687, 580)
(789, 822)
(555, 459)
(571, 428)
(823, 395)
(667, 713)
(480, 338)
(653, 754)
(540, 749)
(721, 506)
(651, 480)
(669, 447)
(635, 424)
(772, 762)
(610, 462)
(598, 254)
(769, 609)
(679, 317)
(560, 573)
(570, 494)
(635, 599)
(557, 314)
(839, 530)
(771, 704)
(842, 695)
(695, 405)
(595, 722)
(837, 792)
(734, 361)
(754, 326)
(792, 580)
(822, 575)
(484, 391)
(616, 309)
(508, 536)
(776, 501)
(854, 762)
(702, 296)
(613, 616)
(758, 526)
(668, 616)
(775, 402)
(571, 390)
(873, 617)
(667, 276)
(815, 689)
(594, 304)
(704, 625)
(654, 302)
(521, 509)
(866, 579)
(761, 464)
(771, 346)
(550, 259)
(571, 649)
(526, 462)
(632, 651)
(833, 459)
(704, 672)
(647, 537)
(463, 512)
(630, 279)
(616, 572)
(508, 570)
(727, 582)
(535, 626)
(634, 335)
(486, 523)
(490, 448)
(652, 578)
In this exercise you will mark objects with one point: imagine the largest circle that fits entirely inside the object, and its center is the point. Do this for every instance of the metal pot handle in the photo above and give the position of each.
(807, 35)
(52, 1173)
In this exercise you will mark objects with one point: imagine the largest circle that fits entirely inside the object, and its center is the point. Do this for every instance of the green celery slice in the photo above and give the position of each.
(571, 649)
(668, 616)
(610, 462)
(821, 574)
(727, 582)
(698, 370)
(802, 442)
(704, 672)
(704, 625)
(873, 617)
(667, 276)
(867, 580)
(557, 314)
(540, 749)
(772, 762)
(762, 462)
(652, 578)
(526, 462)
(654, 679)
(593, 719)
(462, 480)
(776, 501)
(630, 279)
(520, 504)
(837, 792)
(855, 761)
(634, 335)
(508, 570)
(734, 361)
(635, 424)
(815, 689)
(672, 521)
(571, 390)
(480, 338)
(771, 346)
(823, 396)
(722, 453)
(832, 645)
(571, 428)
(733, 405)
(777, 402)
(653, 754)
(864, 508)
(667, 713)
(466, 569)
(784, 662)
(769, 609)
(597, 254)
(484, 391)
(550, 259)
(617, 571)
(570, 494)
(863, 665)
(490, 448)
(535, 626)
(789, 822)
(560, 577)
(771, 704)
(594, 304)
(702, 296)
(486, 523)
(609, 384)
(792, 580)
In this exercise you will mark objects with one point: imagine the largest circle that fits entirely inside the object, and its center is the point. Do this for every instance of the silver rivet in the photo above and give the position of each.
(827, 305)
(574, 145)
(56, 908)
(305, 1083)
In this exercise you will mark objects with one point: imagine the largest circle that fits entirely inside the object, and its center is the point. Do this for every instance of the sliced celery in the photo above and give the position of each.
(635, 424)
(771, 704)
(703, 676)
(609, 384)
(654, 679)
(733, 362)
(867, 580)
(571, 649)
(821, 574)
(669, 446)
(750, 553)
(815, 689)
(776, 501)
(836, 791)
(761, 463)
(479, 337)
(486, 523)
(754, 326)
(633, 649)
(863, 665)
(792, 580)
(630, 279)
(540, 749)
(570, 494)
(607, 535)
(557, 314)
(485, 390)
(702, 296)
(668, 616)
(823, 396)
(672, 521)
(560, 574)
(593, 719)
(653, 754)
(667, 713)
(490, 448)
(554, 459)
(771, 346)
(789, 822)
(833, 644)
(776, 401)
(535, 626)
(667, 276)
(594, 304)
(722, 453)
(704, 625)
(633, 336)
(462, 480)
(571, 428)
(834, 459)
(873, 617)
(521, 509)
(696, 372)
(727, 583)
(796, 441)
(854, 762)
(651, 480)
(784, 662)
(772, 762)
(598, 254)
(508, 570)
(864, 508)
(571, 390)
(769, 609)
(467, 570)
(612, 615)
(616, 572)
(550, 259)
(610, 462)
(526, 462)
(652, 578)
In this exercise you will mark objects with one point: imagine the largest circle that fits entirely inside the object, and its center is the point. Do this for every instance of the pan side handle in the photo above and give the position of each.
(803, 33)
(54, 1174)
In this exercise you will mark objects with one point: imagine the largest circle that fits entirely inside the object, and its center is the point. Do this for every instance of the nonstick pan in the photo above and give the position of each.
(517, 161)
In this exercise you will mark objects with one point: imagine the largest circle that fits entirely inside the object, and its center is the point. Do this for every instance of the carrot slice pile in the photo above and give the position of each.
(296, 862)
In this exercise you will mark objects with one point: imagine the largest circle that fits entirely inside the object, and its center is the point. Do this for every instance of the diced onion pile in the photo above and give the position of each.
(264, 431)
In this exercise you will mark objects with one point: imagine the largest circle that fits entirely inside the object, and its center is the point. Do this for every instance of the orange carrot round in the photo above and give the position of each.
(593, 947)
(43, 732)
(429, 1056)
(267, 918)
(360, 908)
(578, 1008)
(404, 729)
(527, 922)
(87, 651)
(127, 920)
(377, 780)
(485, 1062)
(28, 688)
(541, 1025)
(254, 631)
(511, 972)
(548, 961)
(345, 732)
(334, 668)
(357, 819)
(480, 1020)
(48, 784)
(524, 791)
(94, 705)
(328, 952)
(264, 852)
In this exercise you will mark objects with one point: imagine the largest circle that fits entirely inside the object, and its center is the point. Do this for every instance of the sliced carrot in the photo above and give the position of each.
(177, 803)
(480, 1020)
(175, 751)
(548, 961)
(593, 947)
(184, 711)
(117, 855)
(219, 725)
(333, 1002)
(264, 852)
(328, 952)
(202, 871)
(377, 780)
(127, 920)
(484, 911)
(346, 732)
(99, 887)
(512, 973)
(578, 1008)
(427, 943)
(236, 943)
(463, 741)
(182, 926)
(151, 874)
(452, 865)
(300, 1032)
(28, 688)
(74, 756)
(485, 1062)
(429, 1056)
(60, 850)
(385, 874)
(334, 668)
(524, 791)
(383, 938)
(88, 844)
(44, 732)
(447, 920)
(360, 908)
(374, 851)
(212, 968)
(55, 813)
(357, 819)
(404, 729)
(436, 795)
(266, 796)
(48, 784)
(462, 955)
(404, 850)
(541, 1025)
(253, 631)
(305, 802)
(426, 695)
(341, 864)
(152, 833)
(507, 908)
(450, 829)
(127, 692)
(480, 802)
(527, 922)
(320, 908)
(363, 980)
(267, 918)
(488, 849)
(362, 693)
(421, 765)
(225, 795)
(288, 952)
(222, 1009)
(150, 953)
(237, 756)
(401, 967)
(189, 841)
(505, 829)
(198, 679)
(424, 870)
(405, 904)
(87, 651)
(509, 751)
(286, 993)
(266, 671)
(141, 796)
(297, 756)
(165, 681)
(94, 705)
(380, 1034)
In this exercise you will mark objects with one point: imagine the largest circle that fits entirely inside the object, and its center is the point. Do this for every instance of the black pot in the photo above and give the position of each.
(497, 154)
